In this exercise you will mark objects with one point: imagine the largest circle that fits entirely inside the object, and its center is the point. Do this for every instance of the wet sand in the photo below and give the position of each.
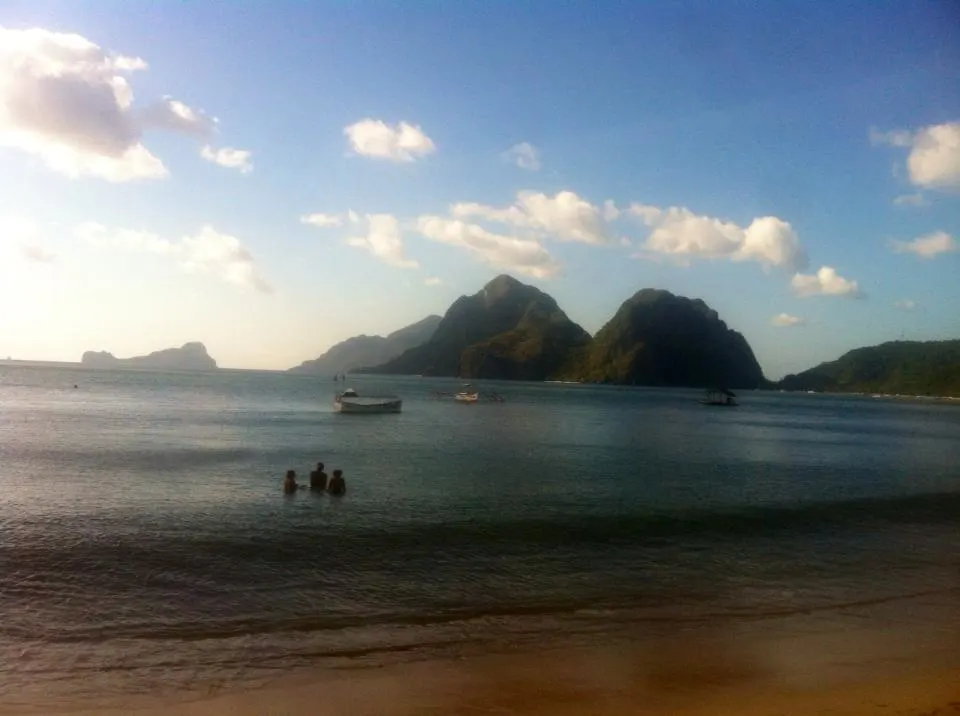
(900, 672)
(509, 686)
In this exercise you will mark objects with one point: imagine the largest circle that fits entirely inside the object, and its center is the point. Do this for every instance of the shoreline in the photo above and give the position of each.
(795, 667)
(569, 683)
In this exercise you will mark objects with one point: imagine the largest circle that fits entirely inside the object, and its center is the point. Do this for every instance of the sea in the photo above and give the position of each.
(146, 546)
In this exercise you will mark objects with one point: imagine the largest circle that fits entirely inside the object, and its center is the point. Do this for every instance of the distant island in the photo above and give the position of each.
(190, 356)
(365, 351)
(513, 331)
(895, 368)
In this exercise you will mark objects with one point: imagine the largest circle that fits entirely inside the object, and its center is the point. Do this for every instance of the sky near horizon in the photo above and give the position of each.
(271, 178)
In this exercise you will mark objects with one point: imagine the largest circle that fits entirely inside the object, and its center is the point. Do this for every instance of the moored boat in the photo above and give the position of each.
(349, 401)
(468, 394)
(719, 397)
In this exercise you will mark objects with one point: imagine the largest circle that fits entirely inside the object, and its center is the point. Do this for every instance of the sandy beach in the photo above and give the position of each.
(521, 685)
(704, 670)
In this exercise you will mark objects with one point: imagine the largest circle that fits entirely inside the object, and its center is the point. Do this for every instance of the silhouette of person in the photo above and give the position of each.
(337, 484)
(318, 479)
(290, 483)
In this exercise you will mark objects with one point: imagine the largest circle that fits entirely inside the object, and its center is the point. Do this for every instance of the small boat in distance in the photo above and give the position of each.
(468, 394)
(720, 397)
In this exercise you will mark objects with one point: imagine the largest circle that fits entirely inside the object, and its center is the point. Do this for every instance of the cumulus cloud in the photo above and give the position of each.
(520, 255)
(384, 240)
(174, 116)
(910, 200)
(325, 221)
(825, 282)
(524, 155)
(206, 251)
(432, 281)
(564, 216)
(785, 320)
(679, 233)
(934, 158)
(610, 210)
(401, 143)
(69, 102)
(929, 246)
(906, 305)
(228, 157)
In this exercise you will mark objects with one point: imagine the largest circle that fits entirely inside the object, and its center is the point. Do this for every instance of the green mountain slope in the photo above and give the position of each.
(897, 367)
(657, 338)
(507, 330)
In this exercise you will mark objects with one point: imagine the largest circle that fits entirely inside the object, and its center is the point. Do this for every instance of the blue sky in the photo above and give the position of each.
(794, 164)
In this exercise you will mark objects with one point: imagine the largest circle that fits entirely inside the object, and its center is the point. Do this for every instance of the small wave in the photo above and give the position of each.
(617, 612)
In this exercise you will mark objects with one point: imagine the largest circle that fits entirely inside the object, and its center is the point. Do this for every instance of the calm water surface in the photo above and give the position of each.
(145, 543)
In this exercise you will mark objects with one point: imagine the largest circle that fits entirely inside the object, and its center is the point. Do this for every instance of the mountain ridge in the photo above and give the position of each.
(509, 330)
(364, 351)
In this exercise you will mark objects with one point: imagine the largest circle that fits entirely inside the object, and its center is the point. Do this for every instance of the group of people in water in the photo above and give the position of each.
(318, 482)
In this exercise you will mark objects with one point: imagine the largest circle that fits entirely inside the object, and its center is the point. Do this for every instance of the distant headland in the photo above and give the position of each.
(190, 356)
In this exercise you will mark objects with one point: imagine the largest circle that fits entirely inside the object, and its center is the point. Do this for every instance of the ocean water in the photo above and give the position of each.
(145, 545)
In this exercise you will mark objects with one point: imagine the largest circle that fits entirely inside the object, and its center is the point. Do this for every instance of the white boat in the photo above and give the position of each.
(349, 401)
(468, 394)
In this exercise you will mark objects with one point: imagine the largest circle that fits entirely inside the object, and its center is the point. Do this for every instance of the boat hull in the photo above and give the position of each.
(367, 406)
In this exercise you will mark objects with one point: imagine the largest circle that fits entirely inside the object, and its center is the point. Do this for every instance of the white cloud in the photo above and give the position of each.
(564, 216)
(929, 246)
(785, 320)
(895, 138)
(228, 157)
(610, 211)
(384, 240)
(650, 215)
(402, 143)
(825, 282)
(906, 305)
(174, 116)
(523, 256)
(353, 217)
(324, 221)
(210, 250)
(69, 102)
(910, 200)
(512, 215)
(934, 158)
(432, 281)
(524, 155)
(678, 232)
(206, 251)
